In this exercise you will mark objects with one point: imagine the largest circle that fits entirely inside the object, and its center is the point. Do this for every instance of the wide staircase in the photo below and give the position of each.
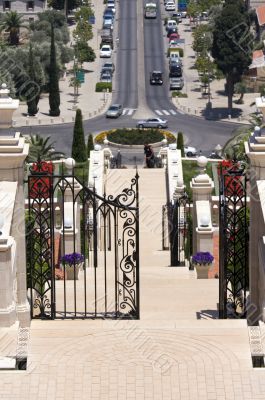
(175, 347)
(166, 293)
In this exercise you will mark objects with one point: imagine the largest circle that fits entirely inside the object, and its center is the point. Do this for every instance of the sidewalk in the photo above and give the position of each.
(195, 103)
(90, 102)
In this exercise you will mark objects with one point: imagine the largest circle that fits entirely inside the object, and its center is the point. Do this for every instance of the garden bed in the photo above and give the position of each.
(135, 136)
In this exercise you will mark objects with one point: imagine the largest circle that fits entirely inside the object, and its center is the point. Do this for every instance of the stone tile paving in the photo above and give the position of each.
(109, 360)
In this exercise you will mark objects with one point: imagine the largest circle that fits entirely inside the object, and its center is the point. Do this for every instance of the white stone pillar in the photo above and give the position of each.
(13, 151)
(70, 231)
(255, 150)
(201, 186)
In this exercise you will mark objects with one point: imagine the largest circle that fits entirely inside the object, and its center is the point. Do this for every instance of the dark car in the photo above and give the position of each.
(175, 71)
(171, 30)
(156, 78)
(108, 13)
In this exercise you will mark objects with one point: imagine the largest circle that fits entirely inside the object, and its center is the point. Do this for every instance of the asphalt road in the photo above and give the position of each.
(130, 81)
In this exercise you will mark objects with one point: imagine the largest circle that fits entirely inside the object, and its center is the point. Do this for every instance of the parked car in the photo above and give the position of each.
(171, 24)
(105, 51)
(174, 55)
(111, 7)
(152, 123)
(107, 22)
(190, 151)
(175, 63)
(175, 71)
(183, 14)
(170, 6)
(107, 36)
(172, 34)
(108, 13)
(178, 16)
(156, 78)
(109, 66)
(176, 83)
(105, 76)
(114, 111)
(173, 43)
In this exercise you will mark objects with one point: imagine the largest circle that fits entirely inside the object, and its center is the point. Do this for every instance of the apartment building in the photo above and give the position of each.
(29, 8)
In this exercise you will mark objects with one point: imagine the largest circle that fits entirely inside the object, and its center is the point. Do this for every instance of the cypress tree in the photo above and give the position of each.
(180, 143)
(79, 152)
(54, 93)
(33, 92)
(90, 144)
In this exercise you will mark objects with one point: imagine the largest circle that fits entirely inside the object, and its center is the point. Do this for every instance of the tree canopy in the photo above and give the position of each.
(231, 41)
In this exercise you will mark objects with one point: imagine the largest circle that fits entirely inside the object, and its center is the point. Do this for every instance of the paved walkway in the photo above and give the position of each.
(90, 102)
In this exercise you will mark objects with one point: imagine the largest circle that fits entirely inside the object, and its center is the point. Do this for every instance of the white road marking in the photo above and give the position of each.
(158, 112)
(166, 112)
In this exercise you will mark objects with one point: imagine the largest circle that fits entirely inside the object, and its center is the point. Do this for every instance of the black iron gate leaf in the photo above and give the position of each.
(71, 221)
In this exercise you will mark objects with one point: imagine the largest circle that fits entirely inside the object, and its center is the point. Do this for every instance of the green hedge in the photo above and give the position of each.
(173, 49)
(100, 86)
(179, 94)
(136, 136)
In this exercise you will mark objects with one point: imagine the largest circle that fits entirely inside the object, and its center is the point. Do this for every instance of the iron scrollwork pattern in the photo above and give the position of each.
(104, 229)
(128, 282)
(234, 239)
(39, 239)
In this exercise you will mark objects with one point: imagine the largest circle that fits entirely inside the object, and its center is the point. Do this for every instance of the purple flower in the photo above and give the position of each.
(72, 259)
(202, 258)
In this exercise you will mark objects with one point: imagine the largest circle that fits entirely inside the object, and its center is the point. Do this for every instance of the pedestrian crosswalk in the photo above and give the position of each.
(165, 112)
(128, 111)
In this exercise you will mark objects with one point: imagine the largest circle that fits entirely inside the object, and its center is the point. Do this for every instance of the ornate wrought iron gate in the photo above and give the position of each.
(82, 249)
(177, 230)
(233, 279)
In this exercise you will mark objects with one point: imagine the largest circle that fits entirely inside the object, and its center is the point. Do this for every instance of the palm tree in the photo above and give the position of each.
(40, 148)
(12, 22)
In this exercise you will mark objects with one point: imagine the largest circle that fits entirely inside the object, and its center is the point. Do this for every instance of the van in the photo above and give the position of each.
(171, 24)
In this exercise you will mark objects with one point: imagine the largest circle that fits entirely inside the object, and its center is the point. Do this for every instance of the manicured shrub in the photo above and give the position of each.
(54, 93)
(180, 143)
(135, 136)
(101, 86)
(79, 152)
(90, 144)
(179, 94)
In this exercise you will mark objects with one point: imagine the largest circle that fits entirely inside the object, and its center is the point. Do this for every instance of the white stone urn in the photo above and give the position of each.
(202, 270)
(72, 272)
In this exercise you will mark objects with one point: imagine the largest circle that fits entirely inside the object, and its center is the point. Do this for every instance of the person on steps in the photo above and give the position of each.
(149, 156)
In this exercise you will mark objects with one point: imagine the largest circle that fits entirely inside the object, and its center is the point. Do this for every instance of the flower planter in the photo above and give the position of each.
(71, 264)
(72, 272)
(202, 270)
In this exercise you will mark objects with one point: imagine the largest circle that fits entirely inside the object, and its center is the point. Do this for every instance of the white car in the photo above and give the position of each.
(173, 43)
(105, 51)
(170, 6)
(190, 151)
(152, 123)
(171, 24)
